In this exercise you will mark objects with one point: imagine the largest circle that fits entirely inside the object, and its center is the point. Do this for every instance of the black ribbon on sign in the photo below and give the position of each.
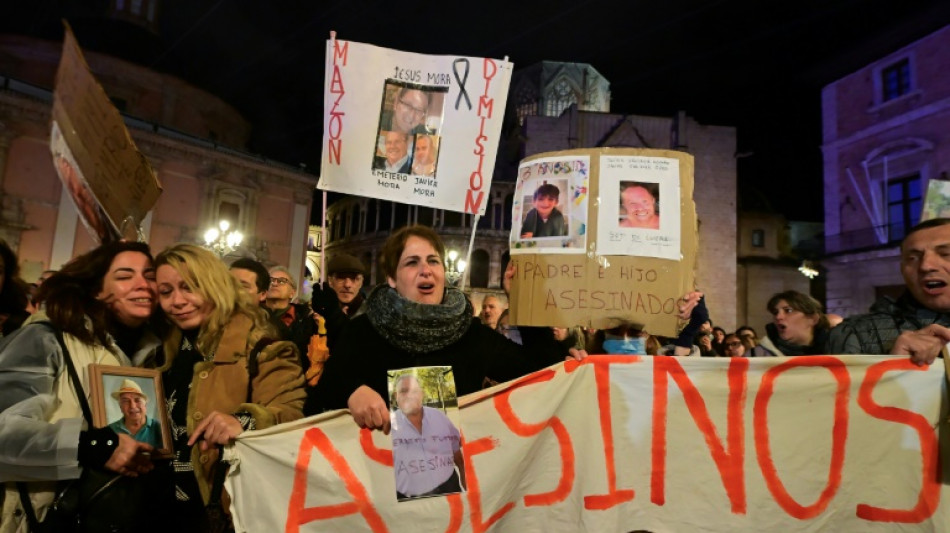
(461, 82)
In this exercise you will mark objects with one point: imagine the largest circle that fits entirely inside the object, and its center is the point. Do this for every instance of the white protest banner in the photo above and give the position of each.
(412, 128)
(622, 443)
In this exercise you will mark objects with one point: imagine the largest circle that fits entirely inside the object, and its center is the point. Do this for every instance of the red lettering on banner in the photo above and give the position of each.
(380, 455)
(340, 52)
(929, 497)
(729, 461)
(839, 434)
(469, 450)
(335, 124)
(298, 515)
(486, 103)
(602, 378)
(523, 429)
(456, 512)
(485, 106)
(489, 65)
(472, 203)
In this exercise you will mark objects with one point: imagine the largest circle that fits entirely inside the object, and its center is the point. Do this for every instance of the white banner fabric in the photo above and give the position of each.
(624, 443)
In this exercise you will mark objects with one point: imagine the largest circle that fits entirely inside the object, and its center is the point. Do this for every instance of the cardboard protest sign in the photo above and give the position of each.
(937, 201)
(110, 181)
(412, 128)
(630, 250)
(623, 443)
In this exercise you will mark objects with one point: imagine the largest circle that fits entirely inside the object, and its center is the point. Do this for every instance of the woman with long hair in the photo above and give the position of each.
(98, 307)
(799, 326)
(224, 371)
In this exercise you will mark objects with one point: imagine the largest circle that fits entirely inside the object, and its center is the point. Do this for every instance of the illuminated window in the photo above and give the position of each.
(903, 206)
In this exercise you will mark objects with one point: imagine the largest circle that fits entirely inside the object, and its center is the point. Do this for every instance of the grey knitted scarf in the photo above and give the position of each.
(415, 327)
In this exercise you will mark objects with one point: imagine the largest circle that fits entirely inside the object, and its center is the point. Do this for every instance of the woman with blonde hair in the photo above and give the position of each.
(223, 371)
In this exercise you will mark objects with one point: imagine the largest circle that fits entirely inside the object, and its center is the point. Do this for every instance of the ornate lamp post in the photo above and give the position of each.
(221, 241)
(454, 267)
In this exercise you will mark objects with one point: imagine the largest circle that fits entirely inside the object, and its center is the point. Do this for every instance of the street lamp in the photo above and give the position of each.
(808, 269)
(454, 267)
(221, 241)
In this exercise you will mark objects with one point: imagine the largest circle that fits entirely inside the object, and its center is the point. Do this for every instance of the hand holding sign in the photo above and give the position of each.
(369, 409)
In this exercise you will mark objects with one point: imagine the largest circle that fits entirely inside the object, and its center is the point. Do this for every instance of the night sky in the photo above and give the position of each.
(758, 66)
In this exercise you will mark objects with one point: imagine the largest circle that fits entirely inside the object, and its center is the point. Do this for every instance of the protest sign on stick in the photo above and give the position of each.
(109, 179)
(619, 244)
(412, 128)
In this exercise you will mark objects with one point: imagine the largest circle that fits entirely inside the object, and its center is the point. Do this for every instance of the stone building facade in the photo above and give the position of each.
(885, 137)
(193, 140)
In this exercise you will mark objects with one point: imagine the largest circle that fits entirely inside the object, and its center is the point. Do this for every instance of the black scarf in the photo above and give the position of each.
(819, 339)
(415, 327)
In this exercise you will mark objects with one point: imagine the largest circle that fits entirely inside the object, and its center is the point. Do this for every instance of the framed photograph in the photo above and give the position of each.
(427, 453)
(131, 400)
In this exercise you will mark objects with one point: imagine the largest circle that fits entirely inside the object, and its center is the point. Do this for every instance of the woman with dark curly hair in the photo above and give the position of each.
(97, 308)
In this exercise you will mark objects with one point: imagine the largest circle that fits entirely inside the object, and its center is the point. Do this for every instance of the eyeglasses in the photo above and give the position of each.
(279, 281)
(415, 110)
(734, 344)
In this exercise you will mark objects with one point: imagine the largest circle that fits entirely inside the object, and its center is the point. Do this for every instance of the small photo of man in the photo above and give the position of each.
(544, 219)
(395, 152)
(424, 155)
(427, 454)
(135, 422)
(639, 205)
(411, 108)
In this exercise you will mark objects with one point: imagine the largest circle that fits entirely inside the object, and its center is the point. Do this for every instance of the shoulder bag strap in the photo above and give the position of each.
(31, 518)
(74, 377)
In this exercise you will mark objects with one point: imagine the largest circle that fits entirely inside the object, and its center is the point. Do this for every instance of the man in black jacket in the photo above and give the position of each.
(917, 323)
(295, 321)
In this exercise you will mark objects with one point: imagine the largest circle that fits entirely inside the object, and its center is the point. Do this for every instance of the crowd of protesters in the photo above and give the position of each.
(236, 351)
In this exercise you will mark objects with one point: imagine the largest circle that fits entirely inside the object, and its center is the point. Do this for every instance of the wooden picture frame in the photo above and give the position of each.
(108, 383)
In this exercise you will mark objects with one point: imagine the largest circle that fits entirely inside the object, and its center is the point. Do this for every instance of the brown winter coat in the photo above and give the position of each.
(221, 385)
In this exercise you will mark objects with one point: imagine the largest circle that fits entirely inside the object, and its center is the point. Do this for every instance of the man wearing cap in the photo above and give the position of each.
(340, 298)
(135, 421)
(336, 301)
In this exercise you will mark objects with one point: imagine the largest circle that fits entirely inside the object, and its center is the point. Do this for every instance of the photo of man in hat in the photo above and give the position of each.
(135, 421)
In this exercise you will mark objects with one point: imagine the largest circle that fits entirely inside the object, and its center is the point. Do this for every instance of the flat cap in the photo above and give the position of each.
(343, 263)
